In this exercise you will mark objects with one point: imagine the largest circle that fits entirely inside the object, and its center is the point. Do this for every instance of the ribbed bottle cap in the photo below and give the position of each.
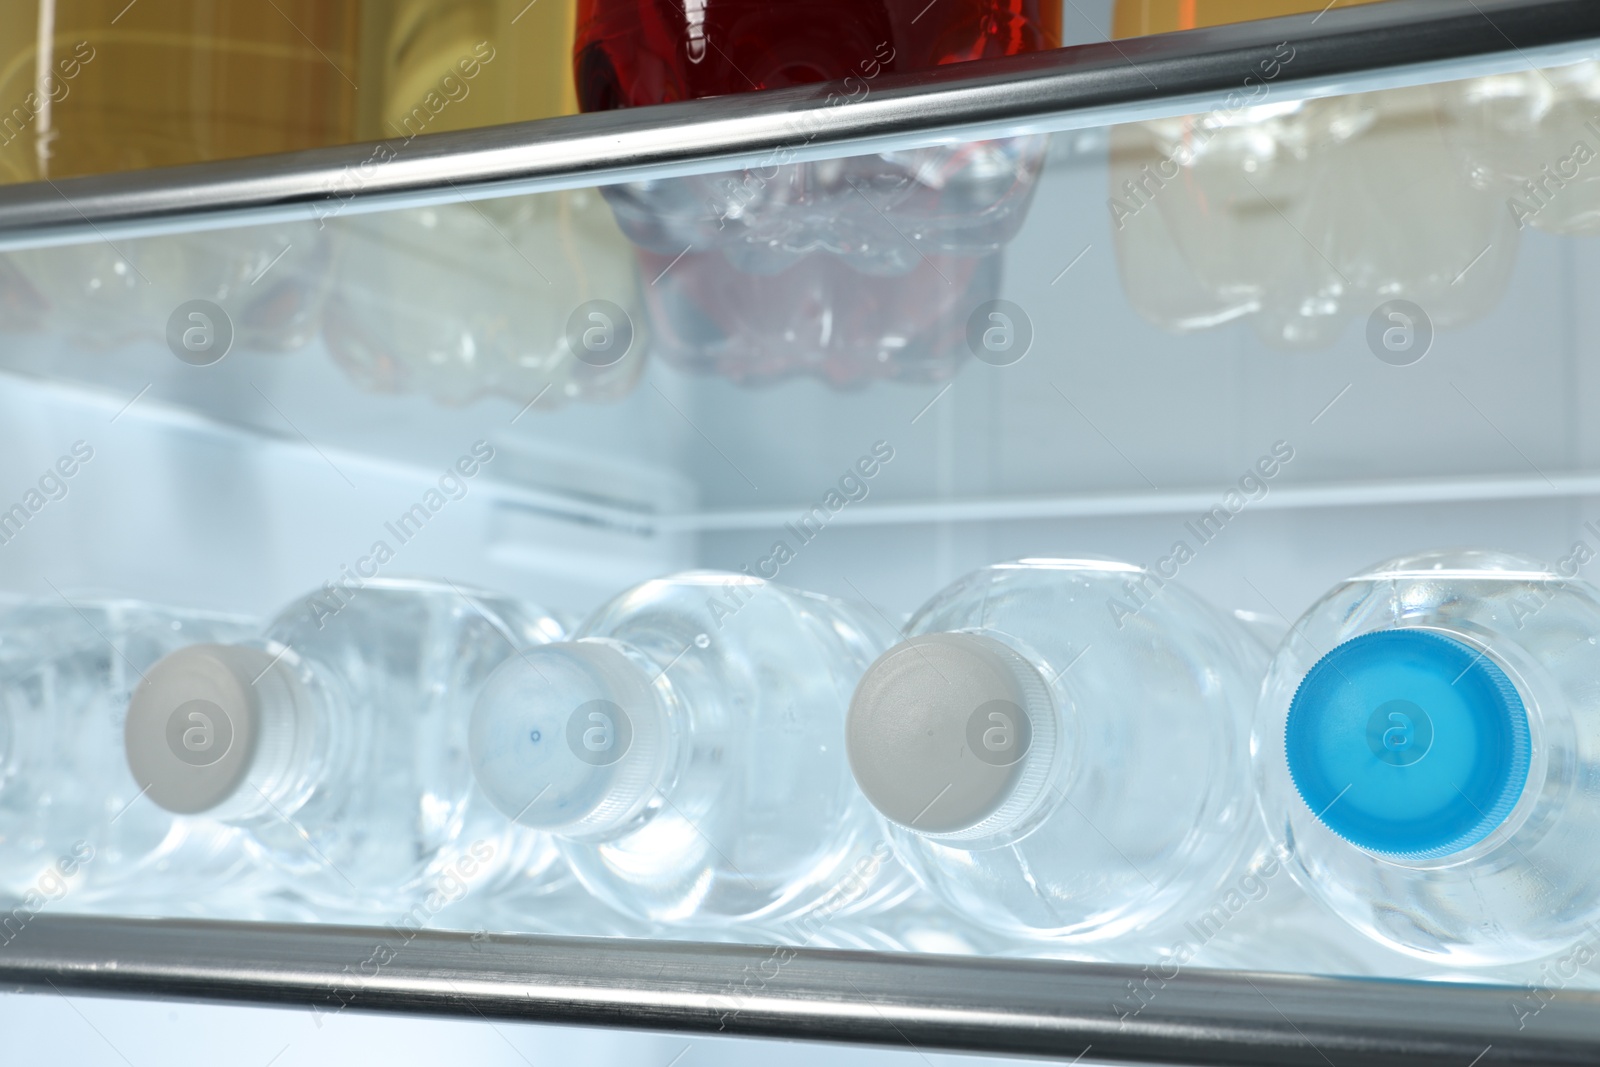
(205, 720)
(570, 737)
(1409, 743)
(951, 734)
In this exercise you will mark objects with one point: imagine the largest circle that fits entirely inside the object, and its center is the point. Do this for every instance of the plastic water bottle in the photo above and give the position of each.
(1422, 752)
(817, 318)
(1058, 747)
(75, 834)
(337, 738)
(1260, 919)
(921, 923)
(688, 751)
(855, 244)
(443, 300)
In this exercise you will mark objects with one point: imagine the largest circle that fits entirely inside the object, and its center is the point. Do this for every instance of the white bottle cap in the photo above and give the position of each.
(571, 737)
(210, 721)
(952, 735)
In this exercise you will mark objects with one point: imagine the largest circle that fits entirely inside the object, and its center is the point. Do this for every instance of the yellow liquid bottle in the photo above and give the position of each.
(97, 86)
(1298, 217)
(460, 300)
(457, 64)
(93, 86)
(1136, 18)
(103, 86)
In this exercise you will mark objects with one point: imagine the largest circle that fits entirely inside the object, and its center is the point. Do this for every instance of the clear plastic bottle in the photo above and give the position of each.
(1262, 920)
(270, 281)
(688, 750)
(74, 829)
(1525, 137)
(1423, 752)
(459, 301)
(1059, 745)
(819, 318)
(856, 245)
(921, 924)
(337, 738)
(1374, 180)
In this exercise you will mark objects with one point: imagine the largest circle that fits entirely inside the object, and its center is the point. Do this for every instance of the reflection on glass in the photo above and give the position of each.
(1301, 216)
(270, 280)
(466, 299)
(849, 270)
(1533, 138)
(819, 317)
(21, 307)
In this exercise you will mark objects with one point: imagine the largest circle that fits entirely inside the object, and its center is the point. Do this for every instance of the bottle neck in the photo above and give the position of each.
(305, 740)
(1027, 732)
(576, 738)
(229, 731)
(954, 736)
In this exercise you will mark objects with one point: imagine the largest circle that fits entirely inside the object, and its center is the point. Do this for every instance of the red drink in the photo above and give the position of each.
(634, 52)
(849, 269)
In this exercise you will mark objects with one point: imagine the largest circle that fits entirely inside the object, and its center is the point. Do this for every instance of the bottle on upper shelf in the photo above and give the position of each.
(99, 86)
(338, 739)
(458, 301)
(222, 82)
(815, 318)
(846, 269)
(270, 281)
(1137, 18)
(687, 748)
(1529, 139)
(1300, 217)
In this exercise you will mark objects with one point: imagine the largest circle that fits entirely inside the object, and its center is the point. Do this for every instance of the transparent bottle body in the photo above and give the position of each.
(818, 316)
(460, 301)
(375, 815)
(1378, 181)
(790, 267)
(74, 828)
(1528, 889)
(759, 818)
(920, 923)
(1260, 919)
(1147, 805)
(270, 282)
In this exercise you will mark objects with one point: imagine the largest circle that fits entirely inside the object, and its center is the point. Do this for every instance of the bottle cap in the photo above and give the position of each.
(951, 734)
(1408, 742)
(205, 720)
(570, 737)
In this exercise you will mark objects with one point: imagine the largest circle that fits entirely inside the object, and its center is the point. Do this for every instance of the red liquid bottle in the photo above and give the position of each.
(635, 52)
(849, 269)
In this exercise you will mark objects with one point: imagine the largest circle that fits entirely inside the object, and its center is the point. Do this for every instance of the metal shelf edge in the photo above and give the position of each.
(996, 1006)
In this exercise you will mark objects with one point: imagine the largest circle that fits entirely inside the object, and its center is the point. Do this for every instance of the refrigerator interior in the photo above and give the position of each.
(1182, 325)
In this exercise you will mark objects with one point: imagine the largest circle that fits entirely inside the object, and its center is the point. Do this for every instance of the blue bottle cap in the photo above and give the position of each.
(1408, 743)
